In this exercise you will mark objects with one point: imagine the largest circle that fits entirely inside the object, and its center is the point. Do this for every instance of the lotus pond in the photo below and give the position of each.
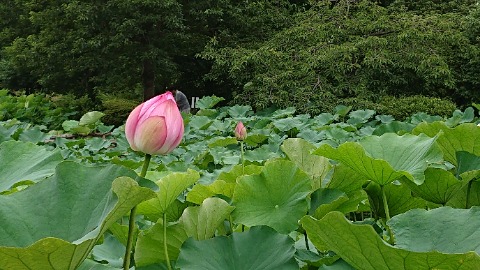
(341, 190)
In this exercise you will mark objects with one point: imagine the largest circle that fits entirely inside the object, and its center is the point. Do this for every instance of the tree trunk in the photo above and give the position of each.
(148, 79)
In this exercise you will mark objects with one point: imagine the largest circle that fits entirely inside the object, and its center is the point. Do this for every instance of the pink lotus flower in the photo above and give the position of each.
(155, 126)
(240, 131)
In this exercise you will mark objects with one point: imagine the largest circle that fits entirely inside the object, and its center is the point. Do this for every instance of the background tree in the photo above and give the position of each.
(349, 49)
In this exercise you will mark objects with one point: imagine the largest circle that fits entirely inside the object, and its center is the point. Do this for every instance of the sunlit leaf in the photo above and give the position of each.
(299, 152)
(90, 118)
(465, 137)
(201, 222)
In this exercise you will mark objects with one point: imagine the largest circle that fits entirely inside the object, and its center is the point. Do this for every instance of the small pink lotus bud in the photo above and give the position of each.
(155, 126)
(240, 131)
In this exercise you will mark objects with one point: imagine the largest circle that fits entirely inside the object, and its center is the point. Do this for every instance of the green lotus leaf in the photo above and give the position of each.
(201, 222)
(399, 199)
(68, 125)
(34, 135)
(359, 117)
(298, 151)
(150, 244)
(225, 156)
(93, 265)
(239, 111)
(296, 122)
(325, 200)
(394, 127)
(276, 197)
(353, 155)
(337, 265)
(208, 102)
(386, 158)
(282, 113)
(90, 118)
(465, 137)
(222, 142)
(260, 248)
(467, 196)
(362, 248)
(439, 186)
(22, 161)
(55, 223)
(346, 179)
(224, 185)
(460, 117)
(111, 251)
(443, 229)
(263, 153)
(468, 164)
(199, 122)
(170, 187)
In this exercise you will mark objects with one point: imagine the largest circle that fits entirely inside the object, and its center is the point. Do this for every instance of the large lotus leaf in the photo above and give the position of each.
(298, 151)
(353, 155)
(170, 187)
(399, 199)
(439, 186)
(276, 197)
(346, 179)
(465, 137)
(21, 161)
(407, 153)
(260, 248)
(443, 229)
(385, 158)
(150, 247)
(201, 222)
(224, 185)
(56, 222)
(362, 248)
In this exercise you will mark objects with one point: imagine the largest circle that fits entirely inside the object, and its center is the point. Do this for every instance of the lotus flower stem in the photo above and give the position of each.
(242, 157)
(165, 247)
(131, 221)
(387, 215)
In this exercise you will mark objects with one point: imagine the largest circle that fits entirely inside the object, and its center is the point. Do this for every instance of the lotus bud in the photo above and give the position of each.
(155, 126)
(240, 131)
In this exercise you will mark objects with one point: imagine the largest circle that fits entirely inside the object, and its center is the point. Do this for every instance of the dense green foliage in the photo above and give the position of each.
(307, 54)
(39, 109)
(411, 190)
(362, 50)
